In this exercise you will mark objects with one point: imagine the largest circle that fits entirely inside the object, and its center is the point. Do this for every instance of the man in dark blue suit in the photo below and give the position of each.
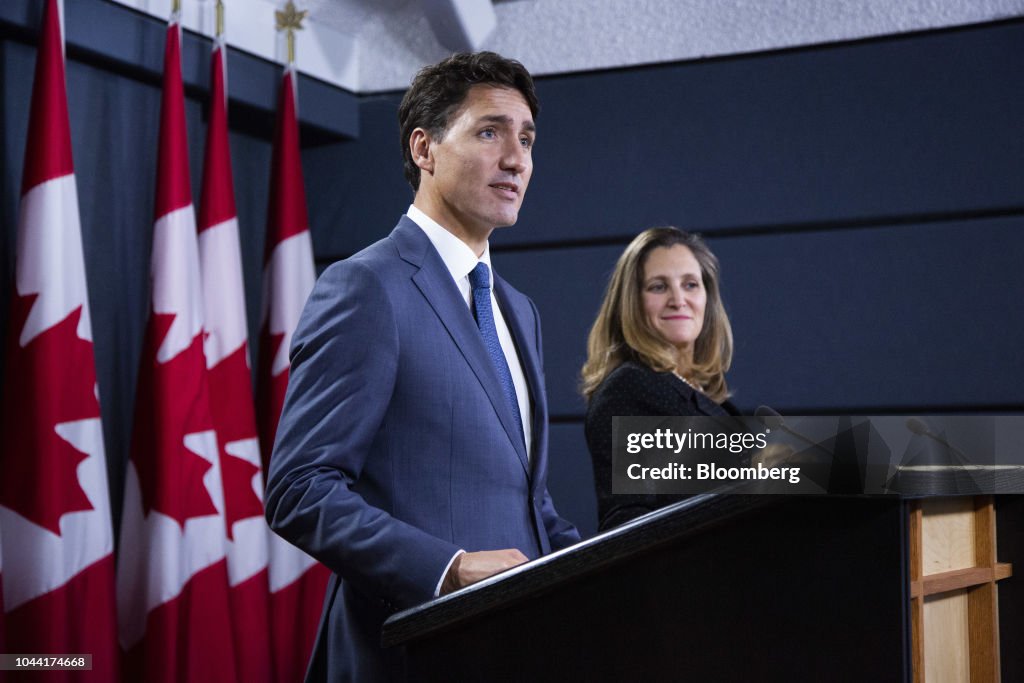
(411, 457)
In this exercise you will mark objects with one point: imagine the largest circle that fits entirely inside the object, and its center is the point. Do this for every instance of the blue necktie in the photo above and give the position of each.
(480, 280)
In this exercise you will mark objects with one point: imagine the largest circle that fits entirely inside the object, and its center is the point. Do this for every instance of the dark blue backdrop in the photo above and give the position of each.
(865, 199)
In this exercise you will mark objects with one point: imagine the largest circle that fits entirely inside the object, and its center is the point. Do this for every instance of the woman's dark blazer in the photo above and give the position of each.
(635, 389)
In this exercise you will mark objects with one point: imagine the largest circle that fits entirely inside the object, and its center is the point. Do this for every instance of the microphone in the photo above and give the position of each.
(945, 472)
(843, 470)
(772, 419)
(916, 426)
(769, 417)
(920, 428)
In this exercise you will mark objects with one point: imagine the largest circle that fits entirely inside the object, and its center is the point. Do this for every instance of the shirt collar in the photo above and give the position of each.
(456, 254)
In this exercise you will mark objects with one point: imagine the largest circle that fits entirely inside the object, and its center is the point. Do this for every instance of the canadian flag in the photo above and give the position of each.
(297, 581)
(3, 639)
(57, 540)
(227, 359)
(172, 587)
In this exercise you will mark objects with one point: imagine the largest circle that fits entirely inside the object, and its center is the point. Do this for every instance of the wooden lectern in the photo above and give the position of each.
(746, 588)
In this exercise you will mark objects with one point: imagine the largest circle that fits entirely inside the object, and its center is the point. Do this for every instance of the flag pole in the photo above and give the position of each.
(290, 20)
(220, 18)
(298, 582)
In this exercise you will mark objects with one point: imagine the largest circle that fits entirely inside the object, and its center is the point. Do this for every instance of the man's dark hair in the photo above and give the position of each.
(438, 92)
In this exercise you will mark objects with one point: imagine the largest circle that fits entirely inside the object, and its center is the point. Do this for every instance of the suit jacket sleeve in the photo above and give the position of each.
(561, 532)
(344, 361)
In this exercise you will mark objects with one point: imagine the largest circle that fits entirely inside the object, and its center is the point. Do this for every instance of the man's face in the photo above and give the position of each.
(474, 179)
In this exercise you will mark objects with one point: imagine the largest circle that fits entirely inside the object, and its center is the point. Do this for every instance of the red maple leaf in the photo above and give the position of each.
(50, 381)
(231, 399)
(171, 401)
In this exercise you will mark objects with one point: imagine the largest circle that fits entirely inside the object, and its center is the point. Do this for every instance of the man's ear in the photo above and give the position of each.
(420, 145)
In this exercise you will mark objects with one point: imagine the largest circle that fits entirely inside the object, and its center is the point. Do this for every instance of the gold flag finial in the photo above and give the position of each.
(290, 20)
(220, 18)
(175, 6)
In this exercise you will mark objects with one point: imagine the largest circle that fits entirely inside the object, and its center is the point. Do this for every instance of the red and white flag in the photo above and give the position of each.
(58, 543)
(297, 581)
(172, 584)
(227, 358)
(3, 639)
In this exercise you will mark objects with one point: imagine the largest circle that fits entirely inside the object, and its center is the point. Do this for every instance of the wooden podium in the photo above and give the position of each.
(954, 597)
(745, 588)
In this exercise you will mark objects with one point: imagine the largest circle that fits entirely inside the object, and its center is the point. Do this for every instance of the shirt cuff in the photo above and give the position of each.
(437, 588)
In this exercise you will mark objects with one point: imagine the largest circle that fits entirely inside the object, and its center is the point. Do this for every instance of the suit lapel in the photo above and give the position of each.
(435, 283)
(527, 356)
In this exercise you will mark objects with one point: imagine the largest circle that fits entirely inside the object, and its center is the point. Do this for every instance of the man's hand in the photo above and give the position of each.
(468, 568)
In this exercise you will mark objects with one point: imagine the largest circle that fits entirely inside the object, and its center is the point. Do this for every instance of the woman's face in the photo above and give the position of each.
(674, 296)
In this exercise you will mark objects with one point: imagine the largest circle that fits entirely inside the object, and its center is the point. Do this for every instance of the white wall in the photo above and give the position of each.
(374, 45)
